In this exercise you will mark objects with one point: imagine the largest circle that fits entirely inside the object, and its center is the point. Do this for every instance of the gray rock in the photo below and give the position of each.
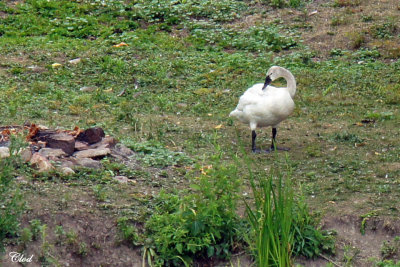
(21, 180)
(89, 163)
(106, 142)
(75, 61)
(68, 164)
(121, 151)
(67, 170)
(79, 145)
(4, 152)
(181, 105)
(88, 88)
(52, 153)
(121, 179)
(41, 163)
(92, 153)
(26, 154)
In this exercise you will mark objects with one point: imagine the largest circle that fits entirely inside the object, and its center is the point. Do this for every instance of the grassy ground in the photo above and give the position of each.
(182, 71)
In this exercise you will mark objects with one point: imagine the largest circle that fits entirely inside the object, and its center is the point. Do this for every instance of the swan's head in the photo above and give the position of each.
(274, 73)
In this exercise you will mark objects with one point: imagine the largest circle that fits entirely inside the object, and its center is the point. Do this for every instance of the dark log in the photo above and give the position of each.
(42, 135)
(91, 135)
(61, 140)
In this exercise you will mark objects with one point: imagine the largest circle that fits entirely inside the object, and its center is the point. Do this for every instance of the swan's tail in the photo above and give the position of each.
(234, 113)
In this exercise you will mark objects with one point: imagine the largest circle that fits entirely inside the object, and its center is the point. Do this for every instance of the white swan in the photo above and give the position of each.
(264, 105)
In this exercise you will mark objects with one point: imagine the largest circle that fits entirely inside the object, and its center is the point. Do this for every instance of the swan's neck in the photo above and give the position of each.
(291, 82)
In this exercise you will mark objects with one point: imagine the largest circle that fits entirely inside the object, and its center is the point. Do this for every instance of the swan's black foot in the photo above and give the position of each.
(283, 148)
(258, 151)
(272, 149)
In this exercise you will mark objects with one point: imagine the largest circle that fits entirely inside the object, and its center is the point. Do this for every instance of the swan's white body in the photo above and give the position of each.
(260, 107)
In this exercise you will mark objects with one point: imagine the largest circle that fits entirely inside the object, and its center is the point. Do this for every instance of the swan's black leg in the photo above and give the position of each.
(273, 144)
(253, 141)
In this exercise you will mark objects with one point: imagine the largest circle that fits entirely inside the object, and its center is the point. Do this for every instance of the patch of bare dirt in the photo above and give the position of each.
(324, 26)
(94, 242)
(355, 248)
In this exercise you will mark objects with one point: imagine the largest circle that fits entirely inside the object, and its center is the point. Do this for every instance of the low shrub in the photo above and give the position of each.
(202, 224)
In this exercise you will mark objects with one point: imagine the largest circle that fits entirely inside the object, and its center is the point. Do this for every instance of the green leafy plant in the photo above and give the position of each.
(347, 137)
(385, 30)
(365, 218)
(309, 240)
(203, 224)
(346, 3)
(386, 263)
(390, 249)
(154, 154)
(26, 236)
(349, 255)
(11, 200)
(60, 234)
(283, 3)
(128, 231)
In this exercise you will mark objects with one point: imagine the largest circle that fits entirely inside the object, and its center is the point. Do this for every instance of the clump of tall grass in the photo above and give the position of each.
(281, 224)
(271, 220)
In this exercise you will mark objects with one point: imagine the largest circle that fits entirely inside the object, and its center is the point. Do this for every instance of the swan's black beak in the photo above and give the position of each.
(267, 82)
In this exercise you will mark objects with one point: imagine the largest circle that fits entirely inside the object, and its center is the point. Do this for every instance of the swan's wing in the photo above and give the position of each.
(250, 97)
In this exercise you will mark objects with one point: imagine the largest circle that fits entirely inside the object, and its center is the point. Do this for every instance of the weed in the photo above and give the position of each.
(347, 3)
(45, 255)
(313, 150)
(60, 234)
(390, 249)
(365, 218)
(254, 39)
(366, 54)
(128, 231)
(35, 226)
(71, 238)
(381, 116)
(388, 48)
(10, 198)
(83, 249)
(309, 240)
(338, 20)
(154, 154)
(347, 137)
(203, 224)
(349, 255)
(367, 18)
(275, 227)
(392, 94)
(100, 192)
(357, 39)
(384, 31)
(283, 3)
(26, 236)
(336, 52)
(386, 263)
